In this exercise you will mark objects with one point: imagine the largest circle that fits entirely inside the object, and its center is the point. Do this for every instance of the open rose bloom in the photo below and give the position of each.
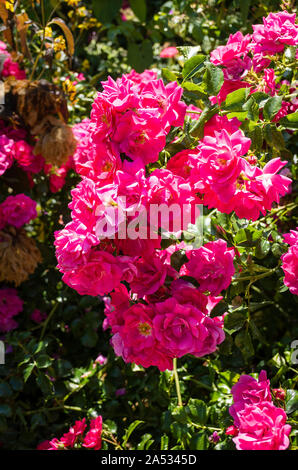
(258, 423)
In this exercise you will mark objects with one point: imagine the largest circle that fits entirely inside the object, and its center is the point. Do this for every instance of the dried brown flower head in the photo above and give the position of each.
(56, 141)
(19, 255)
(38, 99)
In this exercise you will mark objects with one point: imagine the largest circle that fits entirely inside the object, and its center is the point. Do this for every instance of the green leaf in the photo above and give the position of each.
(199, 441)
(189, 51)
(235, 100)
(168, 75)
(43, 361)
(130, 430)
(192, 66)
(27, 371)
(196, 411)
(244, 343)
(290, 121)
(213, 79)
(164, 442)
(197, 129)
(106, 10)
(252, 108)
(291, 401)
(139, 8)
(146, 442)
(140, 55)
(256, 136)
(196, 89)
(262, 248)
(235, 320)
(44, 384)
(272, 107)
(277, 250)
(261, 98)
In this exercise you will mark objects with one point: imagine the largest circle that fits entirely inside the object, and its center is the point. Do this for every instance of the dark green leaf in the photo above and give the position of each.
(27, 371)
(106, 10)
(235, 320)
(262, 248)
(139, 8)
(244, 343)
(43, 361)
(140, 55)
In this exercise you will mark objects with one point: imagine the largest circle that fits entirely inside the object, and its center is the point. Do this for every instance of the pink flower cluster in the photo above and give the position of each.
(219, 170)
(10, 306)
(133, 116)
(290, 261)
(174, 322)
(9, 67)
(17, 211)
(258, 423)
(251, 53)
(75, 437)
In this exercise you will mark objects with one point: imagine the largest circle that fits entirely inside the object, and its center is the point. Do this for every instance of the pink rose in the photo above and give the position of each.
(249, 391)
(18, 210)
(169, 52)
(277, 30)
(212, 266)
(262, 426)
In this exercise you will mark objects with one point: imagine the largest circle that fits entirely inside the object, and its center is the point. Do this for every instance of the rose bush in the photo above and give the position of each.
(151, 330)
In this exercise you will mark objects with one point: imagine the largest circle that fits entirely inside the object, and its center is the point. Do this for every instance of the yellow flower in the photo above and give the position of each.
(59, 44)
(82, 11)
(9, 5)
(70, 89)
(72, 3)
(48, 32)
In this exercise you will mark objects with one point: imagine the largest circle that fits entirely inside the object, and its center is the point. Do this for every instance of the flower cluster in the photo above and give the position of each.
(17, 211)
(229, 182)
(96, 260)
(169, 325)
(258, 423)
(290, 261)
(243, 53)
(75, 438)
(123, 178)
(10, 306)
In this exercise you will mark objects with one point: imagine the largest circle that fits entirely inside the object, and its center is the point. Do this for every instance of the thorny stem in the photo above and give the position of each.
(177, 381)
